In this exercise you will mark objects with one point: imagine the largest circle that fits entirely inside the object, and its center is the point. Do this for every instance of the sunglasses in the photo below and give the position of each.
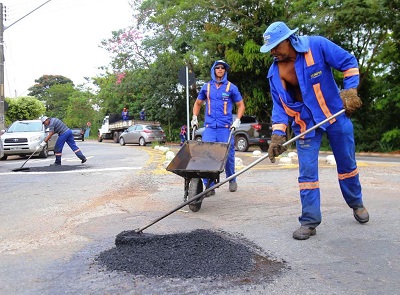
(217, 68)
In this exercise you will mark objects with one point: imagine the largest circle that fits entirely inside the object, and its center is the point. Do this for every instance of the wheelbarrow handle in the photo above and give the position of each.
(230, 134)
(140, 230)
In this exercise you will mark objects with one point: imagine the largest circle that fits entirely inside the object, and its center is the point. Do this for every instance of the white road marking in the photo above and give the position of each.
(74, 171)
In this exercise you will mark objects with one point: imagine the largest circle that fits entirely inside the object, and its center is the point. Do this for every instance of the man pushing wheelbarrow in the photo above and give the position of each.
(219, 97)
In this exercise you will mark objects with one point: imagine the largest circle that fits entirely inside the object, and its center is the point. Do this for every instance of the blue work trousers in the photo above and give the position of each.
(68, 138)
(341, 138)
(222, 135)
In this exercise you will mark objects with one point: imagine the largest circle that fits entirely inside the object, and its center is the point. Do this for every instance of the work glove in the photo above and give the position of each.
(275, 147)
(351, 101)
(194, 122)
(43, 144)
(235, 124)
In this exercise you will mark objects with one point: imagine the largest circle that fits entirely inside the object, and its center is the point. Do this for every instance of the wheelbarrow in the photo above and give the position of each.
(197, 160)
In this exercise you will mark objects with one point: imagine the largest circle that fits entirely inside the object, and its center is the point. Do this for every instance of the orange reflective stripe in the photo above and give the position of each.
(225, 107)
(351, 72)
(281, 127)
(208, 99)
(309, 58)
(321, 102)
(78, 150)
(228, 87)
(348, 175)
(58, 154)
(296, 116)
(309, 185)
(317, 88)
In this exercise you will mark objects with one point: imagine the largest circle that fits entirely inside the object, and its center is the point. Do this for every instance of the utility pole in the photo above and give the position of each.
(2, 29)
(2, 113)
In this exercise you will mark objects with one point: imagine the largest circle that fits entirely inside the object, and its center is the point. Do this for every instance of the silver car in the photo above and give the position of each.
(142, 134)
(23, 137)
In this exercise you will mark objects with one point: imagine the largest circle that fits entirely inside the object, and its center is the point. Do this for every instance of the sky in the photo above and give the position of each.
(60, 38)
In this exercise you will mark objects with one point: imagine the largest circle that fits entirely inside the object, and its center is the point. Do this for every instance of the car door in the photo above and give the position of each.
(128, 135)
(137, 133)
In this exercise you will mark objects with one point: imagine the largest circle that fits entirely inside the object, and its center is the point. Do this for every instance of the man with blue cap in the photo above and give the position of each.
(304, 93)
(219, 97)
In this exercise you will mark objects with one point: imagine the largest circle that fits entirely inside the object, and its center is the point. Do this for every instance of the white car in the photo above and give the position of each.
(23, 137)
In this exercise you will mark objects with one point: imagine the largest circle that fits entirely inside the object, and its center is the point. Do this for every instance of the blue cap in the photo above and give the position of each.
(221, 62)
(275, 34)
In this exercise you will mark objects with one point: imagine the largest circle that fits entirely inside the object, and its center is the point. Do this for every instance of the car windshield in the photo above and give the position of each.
(25, 127)
(152, 127)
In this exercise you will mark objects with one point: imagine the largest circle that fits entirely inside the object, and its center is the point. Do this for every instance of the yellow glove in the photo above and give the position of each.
(276, 148)
(351, 101)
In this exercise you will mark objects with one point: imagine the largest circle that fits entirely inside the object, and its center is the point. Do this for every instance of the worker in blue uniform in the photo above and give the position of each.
(304, 93)
(219, 97)
(64, 136)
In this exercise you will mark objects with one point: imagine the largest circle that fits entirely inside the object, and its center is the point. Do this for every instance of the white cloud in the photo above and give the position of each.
(60, 38)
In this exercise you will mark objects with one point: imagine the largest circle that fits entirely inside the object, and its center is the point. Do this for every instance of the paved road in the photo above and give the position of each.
(53, 225)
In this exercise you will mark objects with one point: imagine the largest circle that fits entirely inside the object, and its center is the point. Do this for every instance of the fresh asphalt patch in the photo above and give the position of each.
(61, 168)
(192, 255)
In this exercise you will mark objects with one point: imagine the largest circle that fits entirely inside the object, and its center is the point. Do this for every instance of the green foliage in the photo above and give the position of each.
(44, 83)
(23, 108)
(169, 34)
(79, 110)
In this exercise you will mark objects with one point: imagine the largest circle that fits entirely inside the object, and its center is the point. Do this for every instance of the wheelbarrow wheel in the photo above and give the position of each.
(195, 188)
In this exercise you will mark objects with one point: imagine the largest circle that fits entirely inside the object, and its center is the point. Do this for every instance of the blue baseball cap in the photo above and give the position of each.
(221, 62)
(275, 34)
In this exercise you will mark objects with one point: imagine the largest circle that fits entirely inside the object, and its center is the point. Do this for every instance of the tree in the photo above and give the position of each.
(23, 108)
(45, 82)
(169, 34)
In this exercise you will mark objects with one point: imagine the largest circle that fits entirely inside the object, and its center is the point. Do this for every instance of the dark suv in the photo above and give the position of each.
(250, 132)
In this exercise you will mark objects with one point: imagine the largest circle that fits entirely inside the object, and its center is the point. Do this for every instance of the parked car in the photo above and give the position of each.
(250, 132)
(1, 149)
(23, 137)
(78, 133)
(142, 134)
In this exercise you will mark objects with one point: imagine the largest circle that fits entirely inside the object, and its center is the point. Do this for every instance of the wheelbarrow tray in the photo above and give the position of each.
(197, 159)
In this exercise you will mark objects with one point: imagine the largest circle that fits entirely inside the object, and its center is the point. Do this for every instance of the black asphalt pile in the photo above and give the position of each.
(197, 254)
(61, 168)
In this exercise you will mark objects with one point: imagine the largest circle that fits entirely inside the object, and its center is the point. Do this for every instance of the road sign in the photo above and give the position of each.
(182, 76)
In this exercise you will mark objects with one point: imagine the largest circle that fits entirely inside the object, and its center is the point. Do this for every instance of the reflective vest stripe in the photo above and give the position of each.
(321, 102)
(208, 98)
(351, 72)
(309, 185)
(317, 88)
(281, 127)
(348, 175)
(296, 116)
(228, 86)
(309, 58)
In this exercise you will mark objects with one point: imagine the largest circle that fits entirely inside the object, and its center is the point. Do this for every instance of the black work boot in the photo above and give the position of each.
(361, 214)
(304, 232)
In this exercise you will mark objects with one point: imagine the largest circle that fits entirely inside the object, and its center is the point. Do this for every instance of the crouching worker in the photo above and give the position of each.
(64, 136)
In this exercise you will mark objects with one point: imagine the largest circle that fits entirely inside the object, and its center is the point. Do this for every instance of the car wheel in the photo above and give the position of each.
(3, 158)
(116, 137)
(264, 148)
(44, 153)
(198, 138)
(122, 141)
(241, 144)
(195, 188)
(142, 142)
(99, 137)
